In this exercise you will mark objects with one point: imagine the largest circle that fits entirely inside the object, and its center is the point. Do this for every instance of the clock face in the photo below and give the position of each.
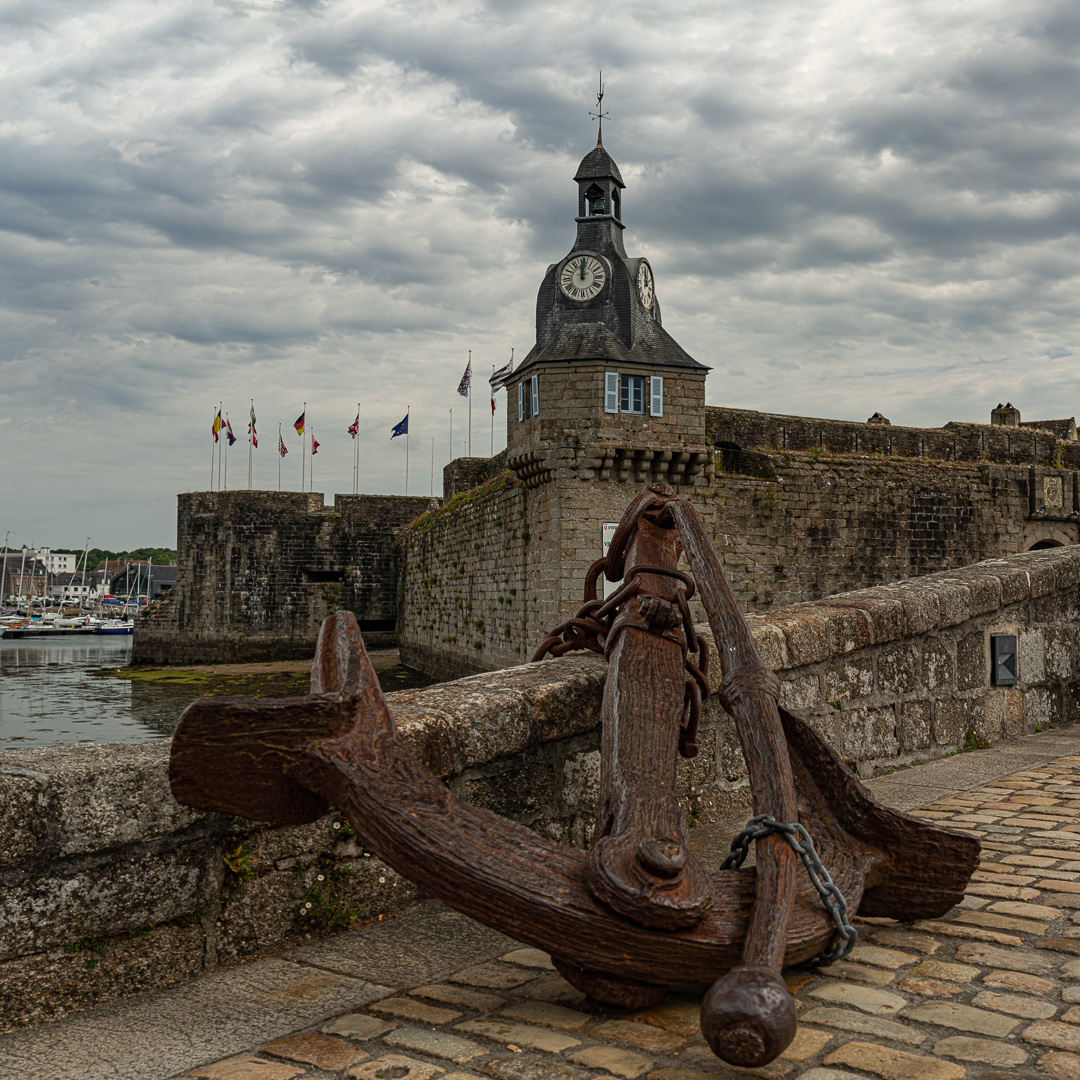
(645, 285)
(582, 277)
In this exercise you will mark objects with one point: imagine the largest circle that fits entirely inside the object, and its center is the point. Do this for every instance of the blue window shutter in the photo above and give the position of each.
(521, 401)
(534, 395)
(611, 391)
(656, 395)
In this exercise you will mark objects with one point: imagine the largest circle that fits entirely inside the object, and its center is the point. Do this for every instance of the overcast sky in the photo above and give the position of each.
(849, 207)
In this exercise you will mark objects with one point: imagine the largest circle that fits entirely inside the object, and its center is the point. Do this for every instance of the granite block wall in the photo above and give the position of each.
(258, 571)
(953, 442)
(819, 523)
(108, 887)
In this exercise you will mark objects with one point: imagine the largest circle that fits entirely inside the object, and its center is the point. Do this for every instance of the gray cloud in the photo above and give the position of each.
(849, 208)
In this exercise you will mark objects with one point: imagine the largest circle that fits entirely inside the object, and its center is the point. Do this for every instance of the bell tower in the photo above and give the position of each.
(605, 385)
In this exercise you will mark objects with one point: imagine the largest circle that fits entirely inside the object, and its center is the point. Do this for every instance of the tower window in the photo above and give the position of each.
(626, 394)
(632, 394)
(594, 200)
(529, 398)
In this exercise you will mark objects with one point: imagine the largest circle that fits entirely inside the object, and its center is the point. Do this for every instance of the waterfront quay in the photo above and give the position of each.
(990, 990)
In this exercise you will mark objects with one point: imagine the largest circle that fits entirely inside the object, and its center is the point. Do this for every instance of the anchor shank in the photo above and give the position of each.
(641, 866)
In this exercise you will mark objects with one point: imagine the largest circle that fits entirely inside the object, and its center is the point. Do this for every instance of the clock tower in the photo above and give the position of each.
(605, 386)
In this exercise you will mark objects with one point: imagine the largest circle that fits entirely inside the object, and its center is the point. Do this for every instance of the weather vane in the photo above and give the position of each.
(599, 115)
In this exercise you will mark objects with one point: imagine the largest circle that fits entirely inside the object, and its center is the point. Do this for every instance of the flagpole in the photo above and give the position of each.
(356, 454)
(470, 403)
(212, 456)
(227, 429)
(251, 436)
(451, 446)
(279, 444)
(492, 454)
(303, 449)
(219, 451)
(408, 409)
(311, 474)
(432, 464)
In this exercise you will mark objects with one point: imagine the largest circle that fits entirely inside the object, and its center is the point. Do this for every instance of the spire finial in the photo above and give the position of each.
(599, 115)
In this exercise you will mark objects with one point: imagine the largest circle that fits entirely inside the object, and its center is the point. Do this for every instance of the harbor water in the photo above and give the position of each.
(53, 692)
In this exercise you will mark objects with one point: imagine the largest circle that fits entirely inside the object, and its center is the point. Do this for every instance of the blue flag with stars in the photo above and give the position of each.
(400, 429)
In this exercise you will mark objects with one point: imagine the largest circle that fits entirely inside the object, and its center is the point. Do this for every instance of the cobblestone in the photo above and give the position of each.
(989, 1051)
(625, 1063)
(439, 1044)
(893, 1064)
(323, 1051)
(982, 993)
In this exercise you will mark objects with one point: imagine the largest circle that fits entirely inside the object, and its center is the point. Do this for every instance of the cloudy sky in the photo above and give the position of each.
(849, 207)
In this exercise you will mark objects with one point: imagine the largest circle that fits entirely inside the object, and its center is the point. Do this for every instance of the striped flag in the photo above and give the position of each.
(299, 423)
(217, 425)
(282, 449)
(499, 378)
(354, 427)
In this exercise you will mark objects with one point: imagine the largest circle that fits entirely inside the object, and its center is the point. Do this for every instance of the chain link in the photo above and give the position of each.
(831, 897)
(589, 629)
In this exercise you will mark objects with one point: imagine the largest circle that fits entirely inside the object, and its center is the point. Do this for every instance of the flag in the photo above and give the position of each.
(314, 444)
(354, 427)
(463, 386)
(217, 425)
(255, 440)
(499, 378)
(400, 429)
(251, 429)
(492, 404)
(229, 431)
(299, 425)
(282, 449)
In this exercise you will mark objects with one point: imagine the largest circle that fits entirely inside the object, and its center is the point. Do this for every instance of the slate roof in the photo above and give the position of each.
(598, 164)
(595, 341)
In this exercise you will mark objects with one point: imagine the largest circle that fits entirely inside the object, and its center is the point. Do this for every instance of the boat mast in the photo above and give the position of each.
(82, 584)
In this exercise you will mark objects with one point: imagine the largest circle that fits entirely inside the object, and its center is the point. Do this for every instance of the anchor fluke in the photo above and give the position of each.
(748, 1016)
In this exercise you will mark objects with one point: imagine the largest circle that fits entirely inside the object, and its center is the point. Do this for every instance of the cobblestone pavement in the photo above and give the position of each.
(990, 990)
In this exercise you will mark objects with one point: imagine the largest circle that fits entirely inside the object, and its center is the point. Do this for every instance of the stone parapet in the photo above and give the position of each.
(107, 886)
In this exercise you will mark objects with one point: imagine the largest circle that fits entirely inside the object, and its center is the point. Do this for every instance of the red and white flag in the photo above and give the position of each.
(314, 445)
(282, 449)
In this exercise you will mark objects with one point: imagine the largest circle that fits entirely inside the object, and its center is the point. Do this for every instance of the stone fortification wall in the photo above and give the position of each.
(953, 442)
(108, 887)
(806, 524)
(258, 571)
(469, 574)
(465, 473)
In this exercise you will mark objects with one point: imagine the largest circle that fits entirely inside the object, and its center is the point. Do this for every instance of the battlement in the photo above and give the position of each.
(956, 441)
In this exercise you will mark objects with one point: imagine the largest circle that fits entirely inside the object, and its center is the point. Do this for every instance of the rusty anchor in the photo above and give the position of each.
(637, 914)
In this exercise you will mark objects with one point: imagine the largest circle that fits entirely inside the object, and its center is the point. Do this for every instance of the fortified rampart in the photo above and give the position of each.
(744, 428)
(108, 887)
(491, 572)
(258, 571)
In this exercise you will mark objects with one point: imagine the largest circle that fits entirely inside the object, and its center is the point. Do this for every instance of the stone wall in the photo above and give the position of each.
(258, 571)
(803, 525)
(953, 442)
(108, 887)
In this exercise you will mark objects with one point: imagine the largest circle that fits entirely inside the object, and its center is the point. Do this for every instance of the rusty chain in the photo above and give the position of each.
(589, 629)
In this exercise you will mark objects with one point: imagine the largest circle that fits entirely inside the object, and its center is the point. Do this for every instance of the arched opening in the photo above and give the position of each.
(594, 200)
(616, 199)
(1042, 544)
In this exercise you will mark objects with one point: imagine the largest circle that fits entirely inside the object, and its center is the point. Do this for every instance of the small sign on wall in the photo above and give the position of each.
(607, 531)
